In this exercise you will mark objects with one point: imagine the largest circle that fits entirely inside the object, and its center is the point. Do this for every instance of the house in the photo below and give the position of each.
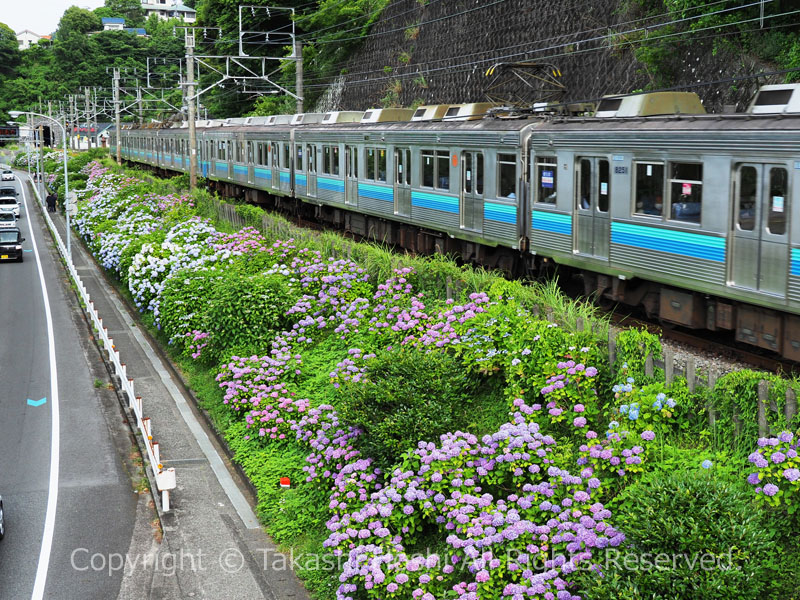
(113, 23)
(26, 37)
(169, 9)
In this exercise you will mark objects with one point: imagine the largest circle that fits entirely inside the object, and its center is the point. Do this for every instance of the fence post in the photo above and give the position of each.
(763, 395)
(579, 325)
(649, 365)
(449, 283)
(712, 411)
(690, 374)
(612, 347)
(669, 366)
(790, 408)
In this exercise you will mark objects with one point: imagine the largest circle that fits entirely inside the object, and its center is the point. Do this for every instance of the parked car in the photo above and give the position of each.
(7, 220)
(7, 175)
(8, 201)
(11, 244)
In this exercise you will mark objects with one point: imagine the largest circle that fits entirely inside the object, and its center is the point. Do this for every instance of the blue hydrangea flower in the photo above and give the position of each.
(707, 464)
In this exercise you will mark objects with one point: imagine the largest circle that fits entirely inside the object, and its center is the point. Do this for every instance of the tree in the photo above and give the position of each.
(130, 10)
(77, 20)
(9, 50)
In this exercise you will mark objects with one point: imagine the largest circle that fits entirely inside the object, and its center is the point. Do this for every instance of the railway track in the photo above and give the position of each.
(703, 342)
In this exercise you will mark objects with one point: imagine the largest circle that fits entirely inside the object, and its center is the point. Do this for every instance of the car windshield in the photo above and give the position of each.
(8, 237)
(8, 200)
(8, 191)
(7, 216)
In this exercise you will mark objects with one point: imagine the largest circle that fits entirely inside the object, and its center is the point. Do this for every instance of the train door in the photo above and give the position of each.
(351, 175)
(402, 182)
(592, 194)
(471, 209)
(311, 170)
(760, 240)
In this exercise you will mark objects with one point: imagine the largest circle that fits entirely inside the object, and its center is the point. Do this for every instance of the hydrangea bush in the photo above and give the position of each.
(516, 512)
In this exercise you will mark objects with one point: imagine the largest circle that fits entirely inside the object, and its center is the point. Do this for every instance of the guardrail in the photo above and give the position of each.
(165, 478)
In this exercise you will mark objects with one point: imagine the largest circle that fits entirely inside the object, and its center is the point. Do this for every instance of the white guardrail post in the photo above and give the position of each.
(165, 478)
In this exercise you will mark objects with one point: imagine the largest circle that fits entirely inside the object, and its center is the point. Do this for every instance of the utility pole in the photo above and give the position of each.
(88, 120)
(190, 108)
(116, 116)
(298, 52)
(141, 104)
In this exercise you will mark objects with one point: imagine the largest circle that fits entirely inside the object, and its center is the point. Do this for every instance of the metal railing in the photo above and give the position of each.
(164, 478)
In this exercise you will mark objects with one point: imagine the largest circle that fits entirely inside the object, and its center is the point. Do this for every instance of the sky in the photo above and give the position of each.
(40, 16)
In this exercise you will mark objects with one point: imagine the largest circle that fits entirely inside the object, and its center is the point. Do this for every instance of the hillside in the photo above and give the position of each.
(439, 51)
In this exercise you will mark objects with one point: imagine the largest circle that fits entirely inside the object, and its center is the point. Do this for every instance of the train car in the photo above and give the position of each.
(687, 215)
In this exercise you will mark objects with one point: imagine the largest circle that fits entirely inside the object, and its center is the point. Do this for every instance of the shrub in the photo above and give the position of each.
(691, 535)
(244, 313)
(408, 396)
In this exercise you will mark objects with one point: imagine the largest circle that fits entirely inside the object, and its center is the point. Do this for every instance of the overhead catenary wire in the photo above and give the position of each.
(527, 54)
(570, 36)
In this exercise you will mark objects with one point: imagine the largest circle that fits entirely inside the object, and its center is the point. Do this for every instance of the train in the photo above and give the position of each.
(653, 202)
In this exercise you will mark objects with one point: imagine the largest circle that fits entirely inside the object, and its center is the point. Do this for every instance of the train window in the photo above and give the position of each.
(436, 169)
(479, 174)
(273, 149)
(326, 159)
(604, 193)
(381, 164)
(250, 153)
(686, 191)
(748, 191)
(221, 150)
(311, 157)
(371, 163)
(287, 157)
(335, 159)
(546, 172)
(776, 222)
(299, 160)
(443, 169)
(427, 168)
(507, 171)
(649, 189)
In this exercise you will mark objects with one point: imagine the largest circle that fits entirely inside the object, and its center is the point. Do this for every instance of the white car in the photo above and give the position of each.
(7, 219)
(9, 204)
(7, 175)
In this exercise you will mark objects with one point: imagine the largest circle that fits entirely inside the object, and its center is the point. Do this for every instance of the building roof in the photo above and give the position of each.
(178, 7)
(113, 20)
(136, 30)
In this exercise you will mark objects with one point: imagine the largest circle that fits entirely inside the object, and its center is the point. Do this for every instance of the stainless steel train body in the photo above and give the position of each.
(689, 216)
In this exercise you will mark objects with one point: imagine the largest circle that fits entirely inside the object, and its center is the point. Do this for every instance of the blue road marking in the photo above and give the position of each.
(36, 402)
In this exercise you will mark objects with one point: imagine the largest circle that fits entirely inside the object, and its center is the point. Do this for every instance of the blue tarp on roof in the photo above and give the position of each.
(113, 20)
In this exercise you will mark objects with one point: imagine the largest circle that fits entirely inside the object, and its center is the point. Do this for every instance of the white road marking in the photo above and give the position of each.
(52, 492)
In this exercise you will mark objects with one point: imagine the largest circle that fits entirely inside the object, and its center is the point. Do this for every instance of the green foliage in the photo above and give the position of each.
(252, 215)
(691, 534)
(633, 347)
(735, 402)
(244, 312)
(409, 395)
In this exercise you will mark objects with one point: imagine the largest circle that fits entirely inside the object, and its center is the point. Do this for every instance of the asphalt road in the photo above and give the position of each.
(95, 506)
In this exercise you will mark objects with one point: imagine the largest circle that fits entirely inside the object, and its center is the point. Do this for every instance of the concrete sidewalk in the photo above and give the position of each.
(212, 545)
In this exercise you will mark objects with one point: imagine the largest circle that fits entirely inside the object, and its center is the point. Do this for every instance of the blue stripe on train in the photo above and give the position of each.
(377, 192)
(504, 213)
(682, 243)
(552, 222)
(434, 202)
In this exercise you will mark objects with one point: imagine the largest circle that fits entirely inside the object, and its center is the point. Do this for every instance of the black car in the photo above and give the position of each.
(11, 244)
